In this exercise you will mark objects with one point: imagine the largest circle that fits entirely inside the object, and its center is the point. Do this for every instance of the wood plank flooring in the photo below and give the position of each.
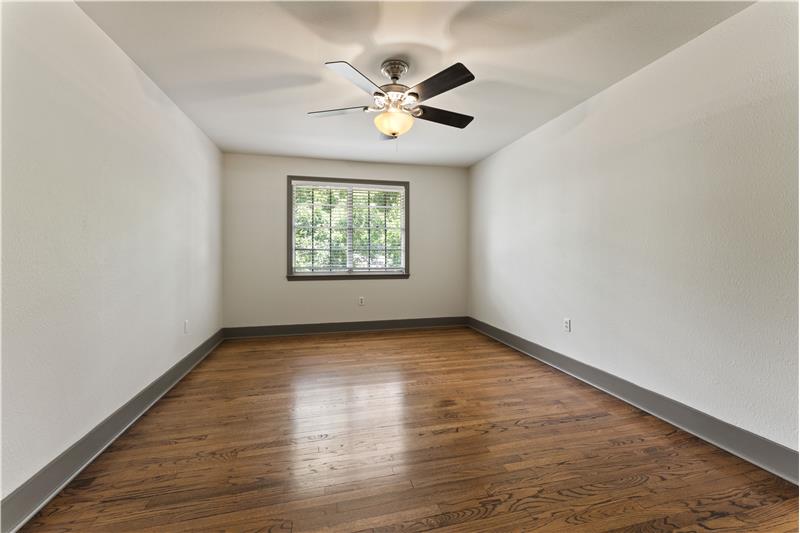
(404, 431)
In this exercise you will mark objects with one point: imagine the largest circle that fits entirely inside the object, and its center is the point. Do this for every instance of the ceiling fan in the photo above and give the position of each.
(397, 105)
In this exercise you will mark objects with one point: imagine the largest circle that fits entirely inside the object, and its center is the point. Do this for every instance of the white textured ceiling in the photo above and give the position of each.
(247, 72)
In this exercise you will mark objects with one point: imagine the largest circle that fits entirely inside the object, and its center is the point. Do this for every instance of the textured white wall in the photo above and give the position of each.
(111, 221)
(661, 217)
(256, 290)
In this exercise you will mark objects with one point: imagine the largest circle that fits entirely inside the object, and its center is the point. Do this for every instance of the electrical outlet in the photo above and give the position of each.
(567, 324)
(361, 300)
(185, 327)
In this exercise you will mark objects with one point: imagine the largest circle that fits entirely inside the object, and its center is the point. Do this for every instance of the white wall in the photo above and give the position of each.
(255, 287)
(656, 215)
(111, 219)
(661, 217)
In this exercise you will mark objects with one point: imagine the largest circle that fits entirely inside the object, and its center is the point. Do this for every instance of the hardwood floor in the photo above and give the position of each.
(407, 431)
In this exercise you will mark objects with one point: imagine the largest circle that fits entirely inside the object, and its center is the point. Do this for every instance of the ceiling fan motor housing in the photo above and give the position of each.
(394, 69)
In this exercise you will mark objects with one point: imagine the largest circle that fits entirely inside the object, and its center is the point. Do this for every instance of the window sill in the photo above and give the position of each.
(323, 277)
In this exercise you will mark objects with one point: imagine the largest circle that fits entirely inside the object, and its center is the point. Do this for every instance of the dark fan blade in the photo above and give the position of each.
(448, 118)
(449, 78)
(351, 73)
(341, 111)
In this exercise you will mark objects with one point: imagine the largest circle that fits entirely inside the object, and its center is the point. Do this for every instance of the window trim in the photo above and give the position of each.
(320, 276)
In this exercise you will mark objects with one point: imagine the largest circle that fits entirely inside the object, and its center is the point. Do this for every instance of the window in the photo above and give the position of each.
(346, 229)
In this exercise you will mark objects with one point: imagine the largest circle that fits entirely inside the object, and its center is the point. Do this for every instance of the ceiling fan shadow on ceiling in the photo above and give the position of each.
(398, 105)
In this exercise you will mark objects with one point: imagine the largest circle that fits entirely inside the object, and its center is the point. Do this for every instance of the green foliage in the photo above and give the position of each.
(394, 259)
(302, 238)
(394, 238)
(321, 229)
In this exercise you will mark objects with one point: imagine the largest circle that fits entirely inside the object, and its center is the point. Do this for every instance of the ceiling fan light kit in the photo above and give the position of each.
(394, 122)
(397, 105)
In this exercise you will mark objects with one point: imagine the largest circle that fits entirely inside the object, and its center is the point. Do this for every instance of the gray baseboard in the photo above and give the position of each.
(769, 455)
(336, 327)
(20, 506)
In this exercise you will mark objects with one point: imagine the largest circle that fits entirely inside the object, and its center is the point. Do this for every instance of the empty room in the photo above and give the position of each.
(399, 266)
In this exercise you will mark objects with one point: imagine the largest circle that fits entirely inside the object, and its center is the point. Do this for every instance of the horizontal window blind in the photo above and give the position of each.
(341, 228)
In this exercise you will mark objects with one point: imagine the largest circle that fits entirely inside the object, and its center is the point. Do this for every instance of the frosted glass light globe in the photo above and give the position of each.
(394, 122)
